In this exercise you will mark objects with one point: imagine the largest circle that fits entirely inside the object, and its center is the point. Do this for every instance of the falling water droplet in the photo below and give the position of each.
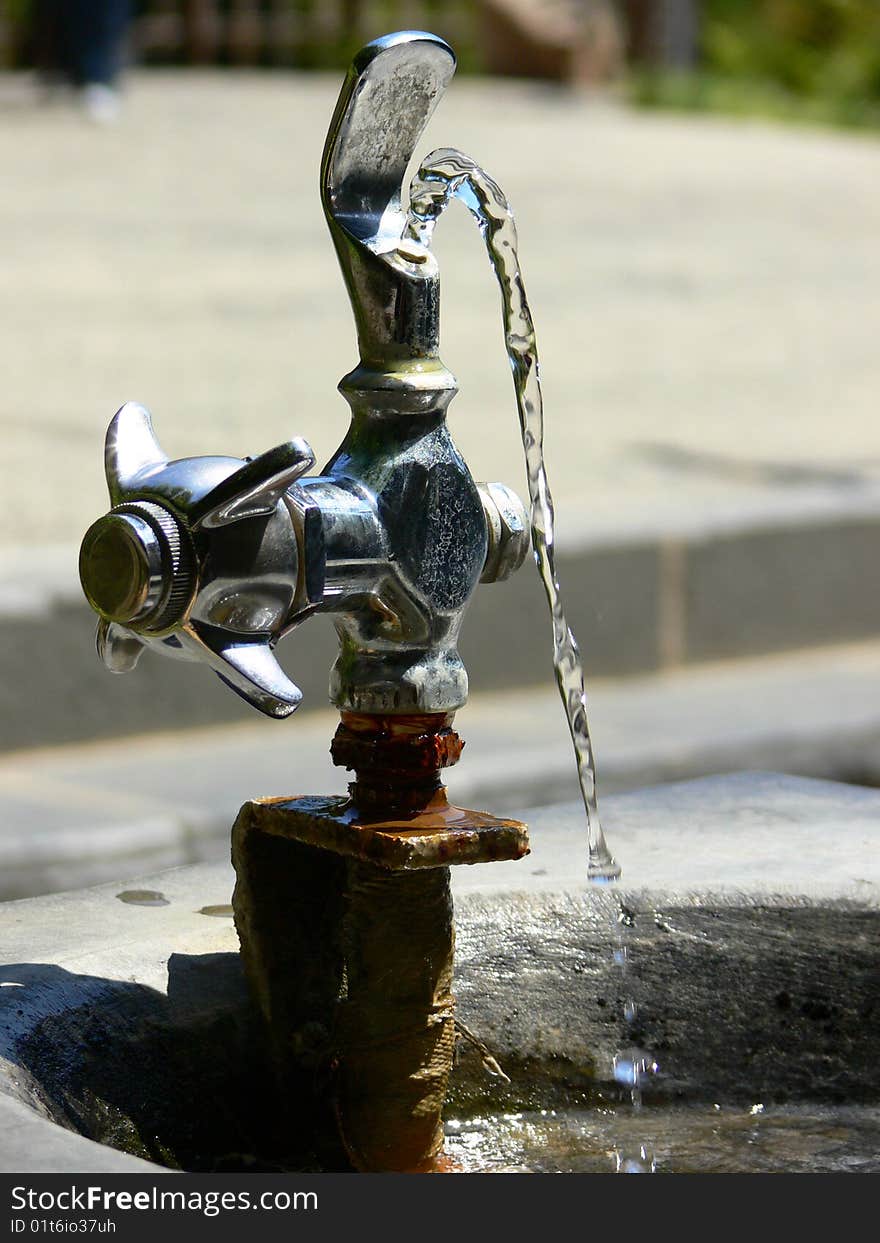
(626, 917)
(632, 1065)
(640, 1162)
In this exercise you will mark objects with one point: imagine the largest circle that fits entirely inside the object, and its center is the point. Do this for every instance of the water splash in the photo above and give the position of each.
(632, 1066)
(448, 174)
(640, 1162)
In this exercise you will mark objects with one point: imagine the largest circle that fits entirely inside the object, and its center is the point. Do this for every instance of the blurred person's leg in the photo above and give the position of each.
(96, 35)
(103, 47)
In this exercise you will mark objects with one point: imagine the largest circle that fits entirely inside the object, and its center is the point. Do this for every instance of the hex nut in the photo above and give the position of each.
(508, 529)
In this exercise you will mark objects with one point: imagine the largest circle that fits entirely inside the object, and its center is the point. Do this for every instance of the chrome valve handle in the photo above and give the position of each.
(197, 559)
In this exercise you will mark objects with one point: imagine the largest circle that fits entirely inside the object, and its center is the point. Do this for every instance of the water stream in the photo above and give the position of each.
(448, 174)
(632, 1065)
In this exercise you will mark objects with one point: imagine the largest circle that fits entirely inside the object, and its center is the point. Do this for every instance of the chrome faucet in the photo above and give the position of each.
(217, 558)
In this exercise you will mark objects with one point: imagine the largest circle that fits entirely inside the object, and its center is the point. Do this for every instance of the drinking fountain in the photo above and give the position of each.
(342, 904)
(125, 1014)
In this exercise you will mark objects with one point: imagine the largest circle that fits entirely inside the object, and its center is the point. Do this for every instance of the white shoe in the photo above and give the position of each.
(101, 103)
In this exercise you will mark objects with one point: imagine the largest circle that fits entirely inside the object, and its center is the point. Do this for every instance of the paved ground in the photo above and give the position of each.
(707, 294)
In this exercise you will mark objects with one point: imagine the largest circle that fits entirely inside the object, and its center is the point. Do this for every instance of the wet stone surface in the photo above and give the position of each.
(131, 1025)
(777, 1000)
(680, 1139)
(741, 1005)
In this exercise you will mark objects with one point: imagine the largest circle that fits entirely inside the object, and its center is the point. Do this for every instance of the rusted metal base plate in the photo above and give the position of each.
(438, 836)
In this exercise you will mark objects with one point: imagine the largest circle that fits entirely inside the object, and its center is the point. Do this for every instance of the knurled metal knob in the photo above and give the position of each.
(137, 568)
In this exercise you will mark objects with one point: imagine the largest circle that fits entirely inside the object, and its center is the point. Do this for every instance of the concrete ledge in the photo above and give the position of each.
(754, 961)
(652, 592)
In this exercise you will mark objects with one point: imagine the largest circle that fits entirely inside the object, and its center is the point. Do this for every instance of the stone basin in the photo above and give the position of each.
(127, 1040)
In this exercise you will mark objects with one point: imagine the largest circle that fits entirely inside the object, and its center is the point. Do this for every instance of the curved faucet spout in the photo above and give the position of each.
(390, 93)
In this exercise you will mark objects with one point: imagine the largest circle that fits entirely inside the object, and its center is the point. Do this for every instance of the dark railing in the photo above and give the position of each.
(537, 38)
(259, 32)
(286, 32)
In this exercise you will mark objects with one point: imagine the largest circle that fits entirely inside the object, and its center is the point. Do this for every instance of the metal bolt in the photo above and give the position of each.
(508, 526)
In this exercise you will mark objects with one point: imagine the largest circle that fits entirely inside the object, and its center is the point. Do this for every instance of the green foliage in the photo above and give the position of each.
(817, 60)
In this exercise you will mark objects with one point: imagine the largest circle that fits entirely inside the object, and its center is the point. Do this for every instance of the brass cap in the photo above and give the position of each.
(135, 567)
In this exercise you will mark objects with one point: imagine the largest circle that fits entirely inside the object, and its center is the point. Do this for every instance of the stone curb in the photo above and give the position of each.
(658, 592)
(758, 861)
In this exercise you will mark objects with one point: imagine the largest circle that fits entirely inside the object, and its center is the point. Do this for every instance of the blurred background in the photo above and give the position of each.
(697, 190)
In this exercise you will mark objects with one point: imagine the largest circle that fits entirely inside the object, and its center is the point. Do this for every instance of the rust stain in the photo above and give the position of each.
(391, 1051)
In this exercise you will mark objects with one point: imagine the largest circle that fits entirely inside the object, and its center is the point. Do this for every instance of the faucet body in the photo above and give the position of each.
(215, 559)
(399, 580)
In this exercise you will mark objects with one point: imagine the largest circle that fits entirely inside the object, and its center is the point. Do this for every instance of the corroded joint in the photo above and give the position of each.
(397, 759)
(396, 744)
